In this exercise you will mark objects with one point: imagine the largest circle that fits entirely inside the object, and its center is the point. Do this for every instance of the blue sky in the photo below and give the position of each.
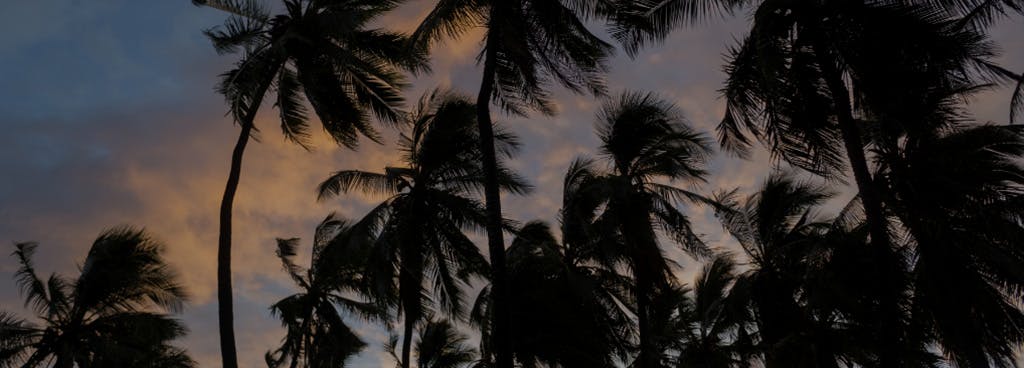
(109, 117)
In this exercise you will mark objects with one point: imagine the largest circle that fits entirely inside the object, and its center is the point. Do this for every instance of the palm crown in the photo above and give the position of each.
(419, 226)
(645, 140)
(113, 314)
(317, 334)
(319, 51)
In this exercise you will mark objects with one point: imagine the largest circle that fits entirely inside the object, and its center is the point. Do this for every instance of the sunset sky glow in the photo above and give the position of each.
(109, 117)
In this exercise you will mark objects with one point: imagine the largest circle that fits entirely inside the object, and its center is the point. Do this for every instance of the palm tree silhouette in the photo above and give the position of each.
(782, 234)
(113, 315)
(440, 345)
(317, 335)
(316, 51)
(429, 203)
(955, 186)
(645, 140)
(807, 77)
(528, 45)
(703, 328)
(565, 312)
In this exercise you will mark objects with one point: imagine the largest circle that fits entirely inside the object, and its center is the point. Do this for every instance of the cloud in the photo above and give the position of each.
(143, 140)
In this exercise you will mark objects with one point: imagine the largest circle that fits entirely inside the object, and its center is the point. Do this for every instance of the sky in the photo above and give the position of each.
(108, 117)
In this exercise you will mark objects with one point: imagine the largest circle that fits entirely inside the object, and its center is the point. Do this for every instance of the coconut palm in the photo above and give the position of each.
(115, 314)
(794, 81)
(956, 187)
(429, 202)
(645, 141)
(528, 45)
(323, 52)
(565, 313)
(317, 334)
(440, 345)
(784, 237)
(705, 327)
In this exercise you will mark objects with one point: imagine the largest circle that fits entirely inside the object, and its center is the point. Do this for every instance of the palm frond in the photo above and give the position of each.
(32, 287)
(354, 180)
(293, 114)
(17, 337)
(449, 18)
(125, 271)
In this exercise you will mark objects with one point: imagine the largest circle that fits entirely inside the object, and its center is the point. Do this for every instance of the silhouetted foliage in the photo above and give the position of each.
(420, 249)
(566, 310)
(114, 314)
(317, 334)
(644, 140)
(321, 52)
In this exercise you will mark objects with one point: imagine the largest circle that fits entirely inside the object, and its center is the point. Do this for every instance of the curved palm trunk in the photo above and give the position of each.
(225, 311)
(225, 306)
(877, 224)
(492, 196)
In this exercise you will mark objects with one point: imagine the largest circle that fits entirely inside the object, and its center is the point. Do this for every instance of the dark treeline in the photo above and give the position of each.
(924, 267)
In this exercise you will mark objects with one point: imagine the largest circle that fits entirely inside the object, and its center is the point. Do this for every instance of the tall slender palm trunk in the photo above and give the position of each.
(642, 244)
(225, 305)
(492, 196)
(872, 202)
(643, 305)
(410, 322)
(855, 150)
(410, 278)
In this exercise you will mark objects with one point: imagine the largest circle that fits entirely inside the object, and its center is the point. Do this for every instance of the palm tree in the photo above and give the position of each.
(565, 311)
(440, 345)
(429, 203)
(705, 327)
(113, 315)
(322, 52)
(783, 236)
(794, 81)
(955, 186)
(645, 141)
(528, 45)
(317, 333)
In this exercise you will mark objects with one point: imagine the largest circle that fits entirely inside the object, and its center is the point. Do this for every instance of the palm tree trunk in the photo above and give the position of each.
(407, 339)
(225, 312)
(643, 305)
(492, 196)
(225, 305)
(642, 244)
(409, 282)
(855, 151)
(877, 224)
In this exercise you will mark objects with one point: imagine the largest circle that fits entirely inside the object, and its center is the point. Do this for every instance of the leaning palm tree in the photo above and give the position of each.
(645, 141)
(113, 315)
(565, 310)
(323, 52)
(317, 334)
(430, 201)
(528, 45)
